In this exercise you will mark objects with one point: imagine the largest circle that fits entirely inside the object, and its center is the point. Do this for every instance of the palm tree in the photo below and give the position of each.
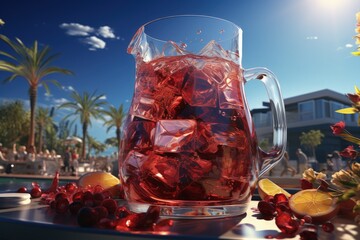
(32, 64)
(85, 107)
(43, 119)
(117, 116)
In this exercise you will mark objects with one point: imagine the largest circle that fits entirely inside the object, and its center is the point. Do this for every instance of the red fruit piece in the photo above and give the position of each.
(75, 207)
(98, 199)
(328, 227)
(62, 205)
(88, 199)
(280, 198)
(87, 217)
(283, 207)
(35, 192)
(71, 187)
(305, 184)
(102, 212)
(60, 195)
(308, 233)
(110, 205)
(78, 196)
(267, 209)
(54, 184)
(22, 190)
(122, 212)
(152, 216)
(286, 223)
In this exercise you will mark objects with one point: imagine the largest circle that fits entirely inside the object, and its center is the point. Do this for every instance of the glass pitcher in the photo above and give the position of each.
(189, 145)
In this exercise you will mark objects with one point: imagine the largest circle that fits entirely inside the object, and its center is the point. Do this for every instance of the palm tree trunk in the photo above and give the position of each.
(40, 138)
(33, 97)
(84, 132)
(118, 137)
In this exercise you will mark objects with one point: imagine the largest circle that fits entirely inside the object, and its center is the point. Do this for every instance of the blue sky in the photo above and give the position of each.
(306, 43)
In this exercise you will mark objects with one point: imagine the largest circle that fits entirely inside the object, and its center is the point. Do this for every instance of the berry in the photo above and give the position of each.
(22, 190)
(266, 209)
(110, 205)
(35, 192)
(98, 198)
(61, 205)
(286, 223)
(269, 198)
(87, 217)
(328, 227)
(122, 212)
(164, 225)
(60, 195)
(75, 207)
(280, 198)
(305, 184)
(70, 187)
(102, 212)
(78, 196)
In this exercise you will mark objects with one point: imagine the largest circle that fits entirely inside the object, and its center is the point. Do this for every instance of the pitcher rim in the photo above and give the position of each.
(187, 15)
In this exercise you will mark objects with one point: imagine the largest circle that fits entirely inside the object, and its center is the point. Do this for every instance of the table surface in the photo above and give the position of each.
(36, 221)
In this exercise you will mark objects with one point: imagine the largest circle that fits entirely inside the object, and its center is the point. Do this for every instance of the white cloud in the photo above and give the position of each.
(68, 88)
(103, 97)
(106, 32)
(60, 101)
(312, 38)
(87, 34)
(76, 29)
(95, 43)
(348, 45)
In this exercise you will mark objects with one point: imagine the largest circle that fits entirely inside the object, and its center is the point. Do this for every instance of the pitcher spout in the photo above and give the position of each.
(134, 47)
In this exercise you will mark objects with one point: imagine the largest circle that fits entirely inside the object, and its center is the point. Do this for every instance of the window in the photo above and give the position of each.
(336, 106)
(322, 109)
(306, 110)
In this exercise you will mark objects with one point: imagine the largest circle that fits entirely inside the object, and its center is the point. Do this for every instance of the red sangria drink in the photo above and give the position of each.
(189, 144)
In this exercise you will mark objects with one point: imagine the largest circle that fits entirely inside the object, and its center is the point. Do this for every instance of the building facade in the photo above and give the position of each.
(311, 111)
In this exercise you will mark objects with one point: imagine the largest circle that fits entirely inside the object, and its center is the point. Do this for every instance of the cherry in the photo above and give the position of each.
(286, 223)
(22, 190)
(87, 217)
(75, 207)
(70, 187)
(269, 198)
(107, 223)
(60, 195)
(78, 196)
(328, 227)
(122, 212)
(305, 184)
(88, 199)
(280, 198)
(61, 205)
(110, 205)
(98, 198)
(308, 234)
(101, 211)
(35, 192)
(164, 225)
(266, 208)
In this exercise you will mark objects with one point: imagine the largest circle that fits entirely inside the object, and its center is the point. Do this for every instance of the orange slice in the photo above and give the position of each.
(104, 179)
(321, 206)
(267, 187)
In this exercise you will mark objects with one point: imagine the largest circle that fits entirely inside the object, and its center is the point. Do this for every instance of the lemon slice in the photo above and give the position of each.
(267, 187)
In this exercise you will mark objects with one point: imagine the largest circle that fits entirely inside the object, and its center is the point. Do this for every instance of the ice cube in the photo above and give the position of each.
(175, 135)
(160, 175)
(230, 96)
(235, 162)
(170, 48)
(211, 135)
(213, 49)
(132, 164)
(146, 107)
(139, 135)
(199, 90)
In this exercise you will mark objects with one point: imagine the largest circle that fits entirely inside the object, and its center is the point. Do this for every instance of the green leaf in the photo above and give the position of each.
(349, 110)
(357, 90)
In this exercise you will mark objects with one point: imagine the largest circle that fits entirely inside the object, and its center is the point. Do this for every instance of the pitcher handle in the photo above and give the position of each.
(269, 159)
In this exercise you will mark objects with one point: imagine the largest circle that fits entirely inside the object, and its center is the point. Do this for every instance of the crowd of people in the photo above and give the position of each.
(67, 164)
(334, 163)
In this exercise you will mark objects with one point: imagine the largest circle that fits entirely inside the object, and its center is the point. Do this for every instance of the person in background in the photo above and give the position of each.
(66, 159)
(21, 155)
(31, 156)
(74, 162)
(329, 165)
(2, 157)
(302, 161)
(12, 154)
(287, 167)
(337, 160)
